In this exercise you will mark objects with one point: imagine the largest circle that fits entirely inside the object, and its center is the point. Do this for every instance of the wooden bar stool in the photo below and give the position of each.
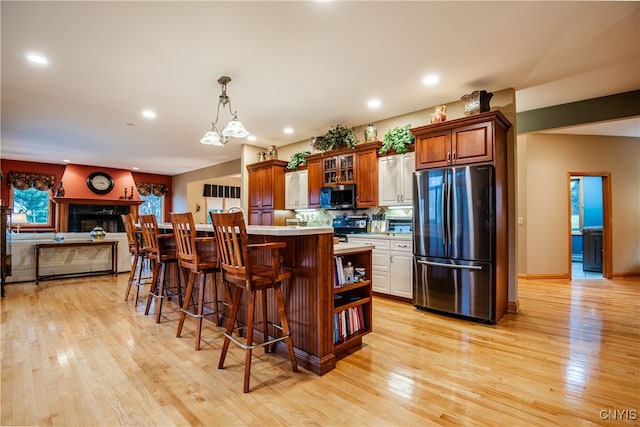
(161, 250)
(240, 268)
(139, 254)
(198, 255)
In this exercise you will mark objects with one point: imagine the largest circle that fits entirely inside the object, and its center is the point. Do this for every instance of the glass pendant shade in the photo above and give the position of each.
(235, 129)
(213, 138)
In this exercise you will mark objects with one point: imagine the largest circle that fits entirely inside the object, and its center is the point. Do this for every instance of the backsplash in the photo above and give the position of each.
(324, 217)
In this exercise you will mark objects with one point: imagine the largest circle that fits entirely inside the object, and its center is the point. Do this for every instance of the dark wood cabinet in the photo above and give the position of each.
(314, 170)
(461, 141)
(339, 169)
(266, 190)
(5, 245)
(358, 165)
(367, 179)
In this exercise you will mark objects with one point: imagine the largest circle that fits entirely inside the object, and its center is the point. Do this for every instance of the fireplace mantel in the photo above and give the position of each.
(83, 201)
(63, 203)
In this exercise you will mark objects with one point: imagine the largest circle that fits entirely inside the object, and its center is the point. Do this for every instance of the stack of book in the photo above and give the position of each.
(347, 323)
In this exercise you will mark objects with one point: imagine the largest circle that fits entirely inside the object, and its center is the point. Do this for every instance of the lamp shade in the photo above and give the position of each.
(235, 128)
(211, 138)
(19, 218)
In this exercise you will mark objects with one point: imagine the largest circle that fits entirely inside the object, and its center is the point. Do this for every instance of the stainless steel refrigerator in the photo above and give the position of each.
(454, 241)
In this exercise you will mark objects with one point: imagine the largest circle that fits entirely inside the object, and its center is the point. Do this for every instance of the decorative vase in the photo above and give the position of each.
(476, 102)
(97, 234)
(262, 156)
(60, 191)
(440, 115)
(272, 153)
(371, 133)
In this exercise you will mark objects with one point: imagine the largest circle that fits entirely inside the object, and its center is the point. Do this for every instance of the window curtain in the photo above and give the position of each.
(157, 190)
(24, 181)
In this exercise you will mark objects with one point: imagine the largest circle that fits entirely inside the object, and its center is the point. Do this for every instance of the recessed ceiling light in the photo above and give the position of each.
(135, 168)
(36, 58)
(374, 103)
(148, 114)
(67, 161)
(288, 131)
(252, 138)
(430, 79)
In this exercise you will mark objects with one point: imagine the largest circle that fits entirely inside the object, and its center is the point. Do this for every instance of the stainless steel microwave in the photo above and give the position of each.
(338, 197)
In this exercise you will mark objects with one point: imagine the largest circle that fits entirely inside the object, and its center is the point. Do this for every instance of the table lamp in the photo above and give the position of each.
(18, 219)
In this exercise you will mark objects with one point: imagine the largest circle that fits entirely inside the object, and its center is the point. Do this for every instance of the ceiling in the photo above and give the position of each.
(307, 65)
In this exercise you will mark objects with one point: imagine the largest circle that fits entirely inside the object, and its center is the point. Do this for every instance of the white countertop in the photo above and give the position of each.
(342, 248)
(266, 230)
(395, 236)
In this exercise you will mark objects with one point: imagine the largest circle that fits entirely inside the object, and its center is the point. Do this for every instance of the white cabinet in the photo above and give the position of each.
(392, 264)
(395, 179)
(296, 187)
(401, 268)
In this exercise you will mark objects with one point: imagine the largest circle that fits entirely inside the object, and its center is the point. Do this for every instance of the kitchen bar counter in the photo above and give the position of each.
(308, 295)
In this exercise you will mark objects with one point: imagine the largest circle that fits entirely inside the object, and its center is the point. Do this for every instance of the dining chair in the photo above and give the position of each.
(252, 269)
(161, 251)
(198, 256)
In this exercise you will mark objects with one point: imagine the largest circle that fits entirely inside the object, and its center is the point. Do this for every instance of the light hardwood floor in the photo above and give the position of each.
(74, 353)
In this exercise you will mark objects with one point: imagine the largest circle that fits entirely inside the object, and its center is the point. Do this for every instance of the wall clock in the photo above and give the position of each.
(100, 182)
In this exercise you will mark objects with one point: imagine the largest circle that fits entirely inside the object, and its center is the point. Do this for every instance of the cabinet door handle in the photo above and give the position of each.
(391, 259)
(454, 156)
(448, 157)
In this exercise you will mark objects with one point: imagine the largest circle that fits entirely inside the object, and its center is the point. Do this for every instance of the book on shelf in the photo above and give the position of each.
(347, 322)
(339, 271)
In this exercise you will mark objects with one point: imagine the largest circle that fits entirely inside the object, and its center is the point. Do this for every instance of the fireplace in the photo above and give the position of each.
(82, 218)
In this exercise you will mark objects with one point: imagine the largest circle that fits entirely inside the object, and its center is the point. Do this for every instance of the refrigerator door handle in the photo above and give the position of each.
(439, 264)
(443, 212)
(449, 238)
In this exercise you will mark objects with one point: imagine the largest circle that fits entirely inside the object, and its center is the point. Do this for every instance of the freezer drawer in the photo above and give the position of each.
(455, 287)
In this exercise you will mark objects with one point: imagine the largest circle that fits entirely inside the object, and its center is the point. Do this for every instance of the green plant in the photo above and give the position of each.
(397, 138)
(298, 159)
(338, 137)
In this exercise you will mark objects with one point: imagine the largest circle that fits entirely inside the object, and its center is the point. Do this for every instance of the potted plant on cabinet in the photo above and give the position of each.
(298, 159)
(338, 137)
(398, 139)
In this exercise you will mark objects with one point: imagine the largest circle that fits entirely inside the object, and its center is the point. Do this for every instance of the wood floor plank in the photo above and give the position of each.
(74, 353)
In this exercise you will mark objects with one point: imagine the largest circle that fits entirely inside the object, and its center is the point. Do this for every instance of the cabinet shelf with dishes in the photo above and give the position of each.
(352, 301)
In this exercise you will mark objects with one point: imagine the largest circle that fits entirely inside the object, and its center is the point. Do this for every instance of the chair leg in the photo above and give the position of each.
(162, 292)
(132, 275)
(285, 327)
(235, 306)
(203, 281)
(154, 285)
(265, 325)
(247, 360)
(139, 268)
(185, 304)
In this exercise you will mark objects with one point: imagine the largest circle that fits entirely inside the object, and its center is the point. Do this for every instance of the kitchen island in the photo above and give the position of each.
(309, 295)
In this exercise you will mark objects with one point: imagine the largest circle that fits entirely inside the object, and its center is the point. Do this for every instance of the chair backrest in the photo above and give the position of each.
(184, 232)
(132, 237)
(149, 227)
(231, 234)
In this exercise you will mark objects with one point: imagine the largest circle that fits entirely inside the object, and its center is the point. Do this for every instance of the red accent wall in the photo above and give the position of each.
(74, 180)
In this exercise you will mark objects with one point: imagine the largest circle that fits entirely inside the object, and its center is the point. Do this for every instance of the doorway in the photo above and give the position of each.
(589, 225)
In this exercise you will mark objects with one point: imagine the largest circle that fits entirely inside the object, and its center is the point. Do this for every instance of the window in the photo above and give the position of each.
(153, 197)
(34, 203)
(577, 204)
(152, 206)
(30, 195)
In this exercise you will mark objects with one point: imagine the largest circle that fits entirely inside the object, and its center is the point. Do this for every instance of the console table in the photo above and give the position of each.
(38, 247)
